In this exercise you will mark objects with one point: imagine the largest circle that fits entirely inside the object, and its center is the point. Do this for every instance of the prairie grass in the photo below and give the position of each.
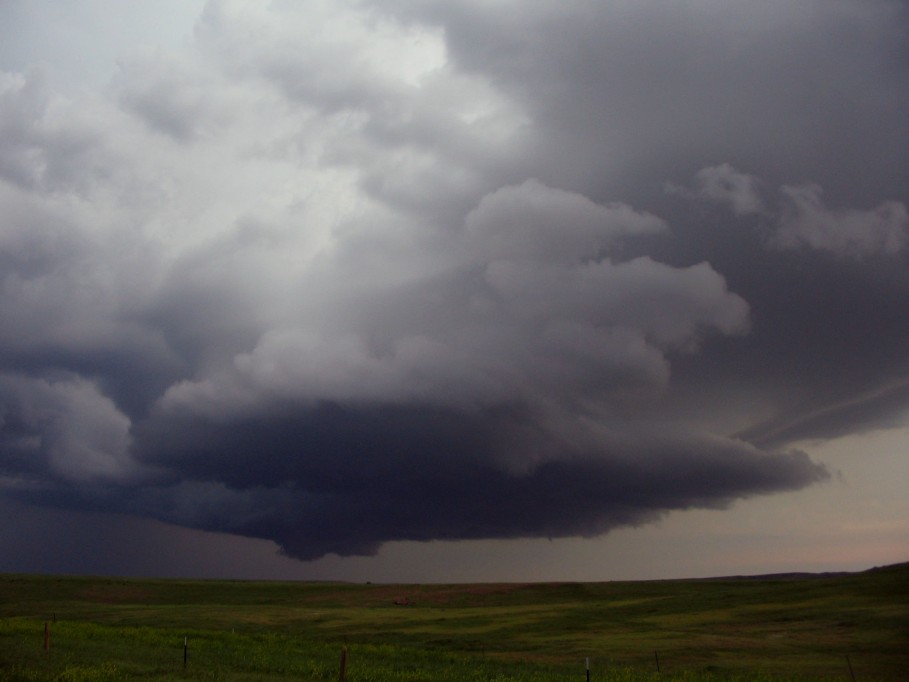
(724, 629)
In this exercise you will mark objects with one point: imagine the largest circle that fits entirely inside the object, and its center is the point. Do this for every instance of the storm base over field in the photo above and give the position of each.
(349, 276)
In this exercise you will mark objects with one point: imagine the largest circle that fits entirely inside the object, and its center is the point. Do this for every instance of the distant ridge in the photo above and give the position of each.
(787, 576)
(902, 566)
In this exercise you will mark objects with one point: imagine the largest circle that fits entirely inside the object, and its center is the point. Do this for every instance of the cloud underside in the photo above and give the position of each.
(337, 274)
(345, 480)
(332, 478)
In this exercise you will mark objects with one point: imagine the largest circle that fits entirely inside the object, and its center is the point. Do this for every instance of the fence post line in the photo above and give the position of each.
(587, 661)
(657, 659)
(46, 636)
(185, 647)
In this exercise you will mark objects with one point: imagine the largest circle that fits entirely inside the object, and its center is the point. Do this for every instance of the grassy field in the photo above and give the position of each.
(744, 629)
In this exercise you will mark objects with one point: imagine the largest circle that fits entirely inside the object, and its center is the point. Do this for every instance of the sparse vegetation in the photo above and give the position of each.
(742, 629)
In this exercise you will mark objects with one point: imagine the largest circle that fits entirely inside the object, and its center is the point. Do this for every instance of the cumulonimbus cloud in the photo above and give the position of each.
(411, 277)
(451, 423)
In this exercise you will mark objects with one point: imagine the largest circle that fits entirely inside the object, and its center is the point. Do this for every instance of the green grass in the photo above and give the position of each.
(752, 629)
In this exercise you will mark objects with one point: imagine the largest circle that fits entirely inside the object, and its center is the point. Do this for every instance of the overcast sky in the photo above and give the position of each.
(469, 290)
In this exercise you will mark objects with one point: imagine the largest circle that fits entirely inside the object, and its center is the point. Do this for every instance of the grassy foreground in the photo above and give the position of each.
(743, 629)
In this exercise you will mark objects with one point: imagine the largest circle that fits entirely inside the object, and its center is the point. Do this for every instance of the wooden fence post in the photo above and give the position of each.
(851, 671)
(342, 677)
(46, 636)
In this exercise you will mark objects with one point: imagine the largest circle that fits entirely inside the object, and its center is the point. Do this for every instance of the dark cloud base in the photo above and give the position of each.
(346, 480)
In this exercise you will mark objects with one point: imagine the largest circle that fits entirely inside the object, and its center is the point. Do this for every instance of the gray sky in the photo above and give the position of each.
(422, 291)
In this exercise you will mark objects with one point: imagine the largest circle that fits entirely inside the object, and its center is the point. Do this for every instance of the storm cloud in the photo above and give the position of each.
(341, 273)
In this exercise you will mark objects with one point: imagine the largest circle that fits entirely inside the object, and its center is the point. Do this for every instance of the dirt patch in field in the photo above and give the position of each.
(115, 594)
(464, 595)
(435, 595)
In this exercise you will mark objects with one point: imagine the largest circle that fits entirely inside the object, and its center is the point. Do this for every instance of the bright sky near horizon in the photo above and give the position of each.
(423, 291)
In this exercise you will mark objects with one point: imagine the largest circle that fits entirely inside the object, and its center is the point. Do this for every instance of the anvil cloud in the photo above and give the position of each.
(336, 274)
